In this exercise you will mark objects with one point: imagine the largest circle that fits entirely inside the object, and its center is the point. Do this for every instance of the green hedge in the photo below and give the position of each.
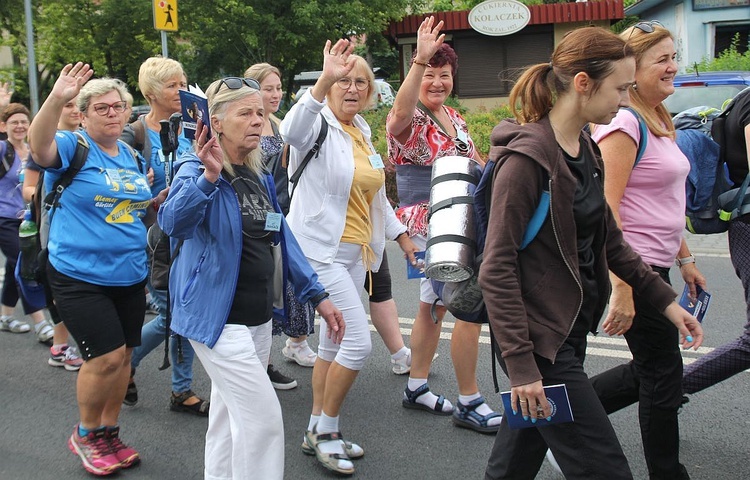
(480, 125)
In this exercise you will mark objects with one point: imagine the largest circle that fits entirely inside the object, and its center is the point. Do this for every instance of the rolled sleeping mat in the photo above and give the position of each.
(451, 234)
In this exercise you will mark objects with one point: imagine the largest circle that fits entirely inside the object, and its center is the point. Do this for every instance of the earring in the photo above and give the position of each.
(635, 86)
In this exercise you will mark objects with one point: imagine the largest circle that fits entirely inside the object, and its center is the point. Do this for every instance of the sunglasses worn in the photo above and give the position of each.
(103, 108)
(645, 27)
(360, 83)
(235, 83)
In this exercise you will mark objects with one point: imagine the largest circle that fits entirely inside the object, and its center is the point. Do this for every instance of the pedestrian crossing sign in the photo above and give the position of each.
(165, 15)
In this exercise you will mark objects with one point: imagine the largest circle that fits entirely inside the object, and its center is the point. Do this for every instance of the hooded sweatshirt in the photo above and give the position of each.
(534, 296)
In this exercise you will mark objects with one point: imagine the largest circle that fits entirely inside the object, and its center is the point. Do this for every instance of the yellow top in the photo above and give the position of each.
(365, 185)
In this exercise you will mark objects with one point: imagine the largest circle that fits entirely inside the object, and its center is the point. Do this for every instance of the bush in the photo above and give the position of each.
(729, 59)
(480, 125)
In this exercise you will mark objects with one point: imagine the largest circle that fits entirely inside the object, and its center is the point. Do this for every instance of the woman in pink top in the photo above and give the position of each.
(648, 201)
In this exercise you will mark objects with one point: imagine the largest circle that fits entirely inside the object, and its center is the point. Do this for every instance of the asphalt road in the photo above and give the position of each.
(37, 410)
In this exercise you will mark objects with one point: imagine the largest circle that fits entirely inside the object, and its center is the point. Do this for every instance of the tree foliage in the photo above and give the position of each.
(215, 38)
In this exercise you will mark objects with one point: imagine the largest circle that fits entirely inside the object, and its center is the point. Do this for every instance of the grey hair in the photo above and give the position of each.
(98, 87)
(218, 103)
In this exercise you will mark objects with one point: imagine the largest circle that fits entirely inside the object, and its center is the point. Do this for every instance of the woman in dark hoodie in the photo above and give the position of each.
(543, 300)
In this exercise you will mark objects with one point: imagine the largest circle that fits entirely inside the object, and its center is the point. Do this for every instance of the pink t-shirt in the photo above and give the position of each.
(652, 209)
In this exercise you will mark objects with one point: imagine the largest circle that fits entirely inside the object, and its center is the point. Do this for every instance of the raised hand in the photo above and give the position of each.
(429, 39)
(5, 93)
(336, 61)
(209, 152)
(70, 81)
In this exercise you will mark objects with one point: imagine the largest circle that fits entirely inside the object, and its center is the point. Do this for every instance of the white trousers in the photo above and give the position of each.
(343, 280)
(245, 436)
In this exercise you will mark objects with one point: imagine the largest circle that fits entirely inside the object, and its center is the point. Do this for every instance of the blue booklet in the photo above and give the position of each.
(194, 107)
(557, 396)
(417, 271)
(697, 306)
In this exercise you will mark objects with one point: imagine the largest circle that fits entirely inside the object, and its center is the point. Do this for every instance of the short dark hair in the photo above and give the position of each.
(444, 56)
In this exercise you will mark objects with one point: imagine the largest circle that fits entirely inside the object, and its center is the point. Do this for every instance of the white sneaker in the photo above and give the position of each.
(551, 459)
(302, 353)
(402, 366)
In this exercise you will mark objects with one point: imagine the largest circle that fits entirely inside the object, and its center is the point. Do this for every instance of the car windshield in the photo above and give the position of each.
(689, 97)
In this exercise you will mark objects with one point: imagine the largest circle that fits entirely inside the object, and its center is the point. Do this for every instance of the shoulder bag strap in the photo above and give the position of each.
(314, 152)
(52, 200)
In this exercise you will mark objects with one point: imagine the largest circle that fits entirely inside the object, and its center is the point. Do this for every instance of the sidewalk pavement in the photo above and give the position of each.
(715, 245)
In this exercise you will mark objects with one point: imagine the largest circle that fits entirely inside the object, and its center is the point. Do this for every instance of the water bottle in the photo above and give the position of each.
(28, 239)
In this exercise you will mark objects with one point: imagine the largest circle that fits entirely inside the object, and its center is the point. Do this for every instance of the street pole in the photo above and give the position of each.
(164, 52)
(31, 60)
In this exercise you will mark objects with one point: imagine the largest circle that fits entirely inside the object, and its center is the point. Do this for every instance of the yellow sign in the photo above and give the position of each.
(165, 15)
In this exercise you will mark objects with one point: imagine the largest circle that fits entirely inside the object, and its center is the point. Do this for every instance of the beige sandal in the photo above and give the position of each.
(328, 460)
(352, 450)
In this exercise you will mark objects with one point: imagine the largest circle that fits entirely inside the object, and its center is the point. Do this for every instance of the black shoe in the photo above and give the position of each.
(279, 380)
(131, 395)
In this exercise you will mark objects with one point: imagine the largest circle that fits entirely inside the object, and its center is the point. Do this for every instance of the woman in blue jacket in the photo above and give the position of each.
(223, 213)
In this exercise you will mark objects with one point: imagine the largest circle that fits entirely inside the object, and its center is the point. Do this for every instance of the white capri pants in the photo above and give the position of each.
(343, 280)
(245, 436)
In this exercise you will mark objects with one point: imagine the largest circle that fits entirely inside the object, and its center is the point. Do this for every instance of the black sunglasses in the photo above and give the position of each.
(645, 27)
(235, 83)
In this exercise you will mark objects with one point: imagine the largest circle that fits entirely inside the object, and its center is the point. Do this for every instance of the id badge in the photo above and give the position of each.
(462, 136)
(376, 161)
(273, 222)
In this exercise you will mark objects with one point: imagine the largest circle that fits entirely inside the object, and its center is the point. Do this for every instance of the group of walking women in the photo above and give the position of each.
(234, 246)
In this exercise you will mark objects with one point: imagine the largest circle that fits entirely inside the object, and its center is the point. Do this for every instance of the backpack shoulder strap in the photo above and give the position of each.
(52, 200)
(314, 152)
(137, 157)
(8, 157)
(146, 149)
(643, 129)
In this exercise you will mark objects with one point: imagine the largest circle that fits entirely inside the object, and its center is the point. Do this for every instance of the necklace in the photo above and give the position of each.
(572, 149)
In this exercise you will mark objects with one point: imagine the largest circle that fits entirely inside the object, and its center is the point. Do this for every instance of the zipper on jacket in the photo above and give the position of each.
(567, 264)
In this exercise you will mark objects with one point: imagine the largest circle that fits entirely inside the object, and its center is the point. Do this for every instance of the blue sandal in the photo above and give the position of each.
(466, 416)
(410, 401)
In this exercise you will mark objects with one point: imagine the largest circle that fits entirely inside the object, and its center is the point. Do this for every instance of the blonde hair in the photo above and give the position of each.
(259, 72)
(99, 87)
(659, 121)
(155, 72)
(361, 65)
(218, 103)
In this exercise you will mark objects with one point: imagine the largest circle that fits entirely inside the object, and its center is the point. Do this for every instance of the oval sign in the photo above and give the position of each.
(499, 17)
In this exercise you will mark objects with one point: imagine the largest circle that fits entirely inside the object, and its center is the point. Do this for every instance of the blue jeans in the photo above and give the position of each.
(152, 335)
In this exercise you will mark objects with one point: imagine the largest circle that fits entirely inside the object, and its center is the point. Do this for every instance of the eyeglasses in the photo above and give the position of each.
(18, 123)
(360, 83)
(103, 108)
(645, 27)
(235, 83)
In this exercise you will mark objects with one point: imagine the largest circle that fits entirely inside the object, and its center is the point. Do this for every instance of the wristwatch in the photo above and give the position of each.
(684, 260)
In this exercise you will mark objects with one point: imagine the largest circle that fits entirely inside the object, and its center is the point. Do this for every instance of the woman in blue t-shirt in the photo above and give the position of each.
(97, 253)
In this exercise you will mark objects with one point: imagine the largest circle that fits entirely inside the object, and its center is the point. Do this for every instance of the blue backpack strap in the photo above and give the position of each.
(643, 129)
(537, 220)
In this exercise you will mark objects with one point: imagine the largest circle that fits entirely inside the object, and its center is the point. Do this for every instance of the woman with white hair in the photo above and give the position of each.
(222, 210)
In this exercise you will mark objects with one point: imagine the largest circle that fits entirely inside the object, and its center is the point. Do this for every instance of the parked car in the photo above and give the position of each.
(705, 88)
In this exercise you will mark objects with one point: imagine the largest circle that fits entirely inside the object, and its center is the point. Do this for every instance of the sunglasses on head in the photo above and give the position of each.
(235, 83)
(645, 27)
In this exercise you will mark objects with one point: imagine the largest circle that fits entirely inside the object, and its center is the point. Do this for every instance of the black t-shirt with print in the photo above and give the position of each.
(253, 298)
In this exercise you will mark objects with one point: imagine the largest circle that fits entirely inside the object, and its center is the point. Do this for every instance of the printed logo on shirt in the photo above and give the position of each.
(125, 181)
(122, 212)
(255, 206)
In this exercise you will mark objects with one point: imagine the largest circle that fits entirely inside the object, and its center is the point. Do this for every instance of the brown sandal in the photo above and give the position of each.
(177, 404)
